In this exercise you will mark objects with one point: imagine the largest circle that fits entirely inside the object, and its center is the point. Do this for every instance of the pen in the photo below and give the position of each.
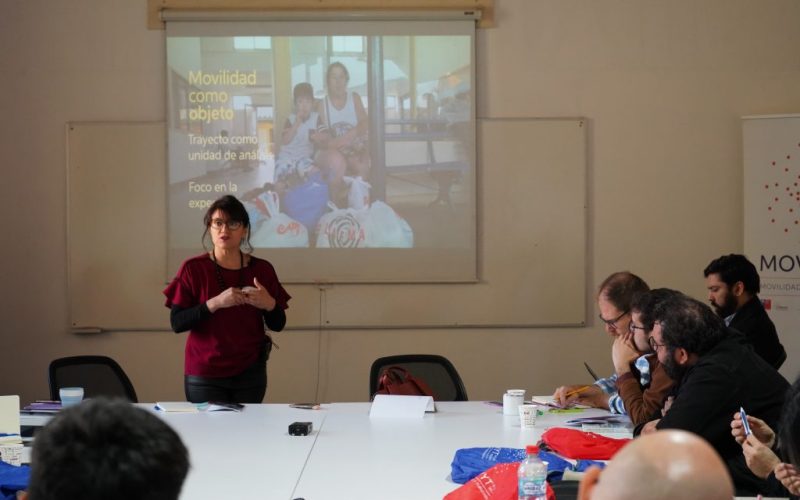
(591, 372)
(577, 391)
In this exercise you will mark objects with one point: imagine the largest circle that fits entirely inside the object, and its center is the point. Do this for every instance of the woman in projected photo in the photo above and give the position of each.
(344, 125)
(228, 300)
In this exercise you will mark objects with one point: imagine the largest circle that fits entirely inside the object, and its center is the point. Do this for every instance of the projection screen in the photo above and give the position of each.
(350, 143)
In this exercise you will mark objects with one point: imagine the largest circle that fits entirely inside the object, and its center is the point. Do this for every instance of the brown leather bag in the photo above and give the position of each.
(396, 380)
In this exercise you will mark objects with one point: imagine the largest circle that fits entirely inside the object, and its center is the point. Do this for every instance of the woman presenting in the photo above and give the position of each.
(227, 299)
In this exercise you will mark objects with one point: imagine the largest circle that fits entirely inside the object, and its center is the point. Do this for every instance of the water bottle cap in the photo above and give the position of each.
(532, 449)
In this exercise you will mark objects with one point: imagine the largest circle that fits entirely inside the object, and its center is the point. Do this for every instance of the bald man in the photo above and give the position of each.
(665, 465)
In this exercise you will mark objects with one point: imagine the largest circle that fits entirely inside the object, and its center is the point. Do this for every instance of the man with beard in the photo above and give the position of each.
(733, 285)
(715, 373)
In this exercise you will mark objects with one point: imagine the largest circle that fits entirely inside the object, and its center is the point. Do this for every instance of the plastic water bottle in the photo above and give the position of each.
(532, 476)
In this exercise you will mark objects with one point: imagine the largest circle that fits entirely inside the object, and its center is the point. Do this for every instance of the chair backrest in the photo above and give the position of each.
(437, 371)
(98, 375)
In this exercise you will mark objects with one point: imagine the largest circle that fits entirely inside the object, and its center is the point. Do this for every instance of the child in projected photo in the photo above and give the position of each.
(295, 160)
(344, 133)
(303, 193)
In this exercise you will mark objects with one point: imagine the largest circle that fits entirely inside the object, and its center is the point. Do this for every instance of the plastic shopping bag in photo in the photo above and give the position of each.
(307, 202)
(341, 228)
(358, 195)
(278, 230)
(385, 229)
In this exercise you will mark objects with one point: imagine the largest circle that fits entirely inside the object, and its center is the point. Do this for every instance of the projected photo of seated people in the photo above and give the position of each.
(344, 120)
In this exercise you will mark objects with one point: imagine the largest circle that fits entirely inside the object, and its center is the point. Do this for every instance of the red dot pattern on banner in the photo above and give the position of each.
(783, 210)
(780, 214)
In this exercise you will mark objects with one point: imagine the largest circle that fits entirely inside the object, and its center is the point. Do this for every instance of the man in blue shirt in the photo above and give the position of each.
(614, 299)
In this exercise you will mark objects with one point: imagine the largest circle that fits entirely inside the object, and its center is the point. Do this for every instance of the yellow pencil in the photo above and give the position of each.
(577, 391)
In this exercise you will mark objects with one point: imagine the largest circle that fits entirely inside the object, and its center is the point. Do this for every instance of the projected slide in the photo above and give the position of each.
(353, 153)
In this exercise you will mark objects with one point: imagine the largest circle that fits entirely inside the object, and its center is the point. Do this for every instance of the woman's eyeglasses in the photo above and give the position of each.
(232, 225)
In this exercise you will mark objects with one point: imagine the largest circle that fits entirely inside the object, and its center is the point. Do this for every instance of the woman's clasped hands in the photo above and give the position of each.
(258, 296)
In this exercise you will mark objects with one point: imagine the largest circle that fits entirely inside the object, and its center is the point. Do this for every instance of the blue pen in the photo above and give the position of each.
(745, 423)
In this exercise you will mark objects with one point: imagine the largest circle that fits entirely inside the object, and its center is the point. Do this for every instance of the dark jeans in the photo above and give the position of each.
(250, 386)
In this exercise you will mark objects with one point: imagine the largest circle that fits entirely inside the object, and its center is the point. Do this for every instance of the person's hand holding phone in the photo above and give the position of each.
(757, 427)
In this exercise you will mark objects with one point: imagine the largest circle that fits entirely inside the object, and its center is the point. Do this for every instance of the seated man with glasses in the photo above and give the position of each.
(614, 299)
(632, 354)
(716, 373)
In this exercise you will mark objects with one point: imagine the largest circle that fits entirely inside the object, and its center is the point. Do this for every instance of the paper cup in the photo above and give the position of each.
(527, 416)
(70, 396)
(11, 453)
(512, 399)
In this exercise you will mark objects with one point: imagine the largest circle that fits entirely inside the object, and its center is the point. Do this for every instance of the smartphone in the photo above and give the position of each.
(745, 423)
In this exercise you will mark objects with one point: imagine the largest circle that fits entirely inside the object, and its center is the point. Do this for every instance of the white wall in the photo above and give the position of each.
(663, 85)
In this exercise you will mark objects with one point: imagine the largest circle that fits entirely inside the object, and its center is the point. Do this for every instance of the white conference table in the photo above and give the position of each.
(361, 458)
(247, 454)
(348, 456)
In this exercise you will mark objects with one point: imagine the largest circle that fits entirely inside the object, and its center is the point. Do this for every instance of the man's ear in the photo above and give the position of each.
(680, 355)
(590, 479)
(737, 289)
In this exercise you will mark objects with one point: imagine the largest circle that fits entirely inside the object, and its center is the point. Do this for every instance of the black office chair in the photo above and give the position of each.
(98, 375)
(437, 371)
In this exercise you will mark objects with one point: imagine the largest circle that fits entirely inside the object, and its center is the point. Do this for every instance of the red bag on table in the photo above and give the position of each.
(396, 380)
(572, 443)
(496, 483)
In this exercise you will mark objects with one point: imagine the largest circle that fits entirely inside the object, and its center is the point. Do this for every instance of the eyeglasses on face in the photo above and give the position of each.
(632, 328)
(232, 225)
(612, 323)
(655, 345)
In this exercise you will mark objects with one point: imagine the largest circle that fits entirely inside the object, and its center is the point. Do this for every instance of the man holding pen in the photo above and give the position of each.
(638, 383)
